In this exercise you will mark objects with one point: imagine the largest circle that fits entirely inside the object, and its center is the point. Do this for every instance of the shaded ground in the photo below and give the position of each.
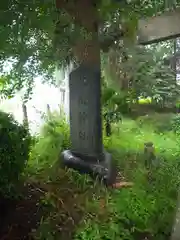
(18, 218)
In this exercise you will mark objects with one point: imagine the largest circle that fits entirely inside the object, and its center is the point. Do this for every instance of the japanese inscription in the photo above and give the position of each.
(85, 114)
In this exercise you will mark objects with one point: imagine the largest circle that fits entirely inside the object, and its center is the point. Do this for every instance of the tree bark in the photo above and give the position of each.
(87, 49)
(85, 13)
(25, 115)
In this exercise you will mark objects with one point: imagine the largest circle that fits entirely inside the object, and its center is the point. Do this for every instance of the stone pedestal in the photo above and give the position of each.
(87, 154)
(104, 171)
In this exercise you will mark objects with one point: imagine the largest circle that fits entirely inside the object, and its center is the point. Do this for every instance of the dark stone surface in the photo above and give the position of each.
(87, 155)
(85, 113)
(104, 171)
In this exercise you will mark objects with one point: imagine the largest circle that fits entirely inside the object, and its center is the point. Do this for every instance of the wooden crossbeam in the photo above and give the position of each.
(163, 27)
(150, 30)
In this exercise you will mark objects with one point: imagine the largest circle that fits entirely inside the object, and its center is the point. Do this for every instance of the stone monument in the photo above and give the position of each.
(87, 154)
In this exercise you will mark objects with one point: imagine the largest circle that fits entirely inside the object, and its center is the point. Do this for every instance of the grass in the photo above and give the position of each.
(132, 138)
(80, 209)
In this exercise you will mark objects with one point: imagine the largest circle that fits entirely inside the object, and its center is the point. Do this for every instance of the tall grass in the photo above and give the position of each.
(146, 209)
(53, 138)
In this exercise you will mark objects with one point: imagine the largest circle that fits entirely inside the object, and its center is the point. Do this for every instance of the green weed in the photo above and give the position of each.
(93, 212)
(146, 209)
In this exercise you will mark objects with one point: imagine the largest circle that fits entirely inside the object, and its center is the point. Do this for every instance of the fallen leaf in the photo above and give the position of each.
(122, 184)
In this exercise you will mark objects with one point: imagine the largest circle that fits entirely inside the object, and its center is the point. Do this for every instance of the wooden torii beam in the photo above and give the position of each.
(159, 28)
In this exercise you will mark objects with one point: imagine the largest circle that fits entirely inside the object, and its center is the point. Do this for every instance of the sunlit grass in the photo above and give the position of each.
(132, 137)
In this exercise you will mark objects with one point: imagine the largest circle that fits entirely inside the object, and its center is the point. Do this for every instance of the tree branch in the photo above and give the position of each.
(82, 12)
(107, 42)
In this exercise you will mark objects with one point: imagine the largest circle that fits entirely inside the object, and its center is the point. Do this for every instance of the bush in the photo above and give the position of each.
(145, 211)
(14, 151)
(145, 100)
(175, 123)
(159, 122)
(54, 138)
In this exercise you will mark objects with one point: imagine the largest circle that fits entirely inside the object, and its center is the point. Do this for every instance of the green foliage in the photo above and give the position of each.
(28, 40)
(141, 72)
(54, 137)
(145, 101)
(176, 123)
(26, 43)
(161, 123)
(146, 209)
(165, 90)
(114, 104)
(158, 122)
(14, 152)
(36, 37)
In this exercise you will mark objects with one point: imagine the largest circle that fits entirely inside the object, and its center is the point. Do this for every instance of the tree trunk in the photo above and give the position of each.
(85, 13)
(48, 111)
(25, 115)
(86, 50)
(87, 152)
(175, 59)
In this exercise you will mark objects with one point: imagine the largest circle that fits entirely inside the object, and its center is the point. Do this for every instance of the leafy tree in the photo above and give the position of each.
(26, 45)
(14, 152)
(114, 104)
(143, 73)
(36, 37)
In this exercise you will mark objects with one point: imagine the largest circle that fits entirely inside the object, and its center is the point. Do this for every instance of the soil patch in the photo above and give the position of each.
(19, 217)
(69, 210)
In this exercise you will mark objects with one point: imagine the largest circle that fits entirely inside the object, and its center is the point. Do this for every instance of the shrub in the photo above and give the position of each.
(159, 122)
(175, 123)
(145, 211)
(54, 138)
(145, 100)
(14, 151)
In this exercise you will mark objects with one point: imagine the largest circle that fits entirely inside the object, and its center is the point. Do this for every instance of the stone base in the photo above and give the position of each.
(105, 171)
